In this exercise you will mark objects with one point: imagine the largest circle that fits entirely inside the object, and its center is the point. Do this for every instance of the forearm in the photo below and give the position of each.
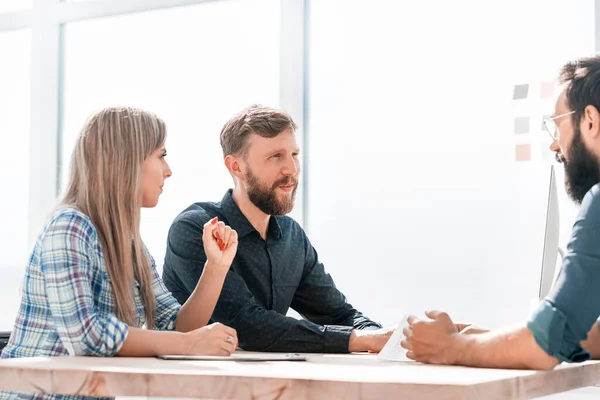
(299, 339)
(509, 348)
(348, 317)
(360, 321)
(198, 309)
(150, 343)
(359, 342)
(266, 330)
(332, 307)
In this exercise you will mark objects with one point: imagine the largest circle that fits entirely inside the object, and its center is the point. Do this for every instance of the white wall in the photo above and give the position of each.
(414, 197)
(14, 168)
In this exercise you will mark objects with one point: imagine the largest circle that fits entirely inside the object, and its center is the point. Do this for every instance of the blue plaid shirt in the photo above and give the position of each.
(67, 305)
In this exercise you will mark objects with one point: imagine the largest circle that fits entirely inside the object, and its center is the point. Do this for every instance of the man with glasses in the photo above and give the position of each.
(564, 326)
(550, 124)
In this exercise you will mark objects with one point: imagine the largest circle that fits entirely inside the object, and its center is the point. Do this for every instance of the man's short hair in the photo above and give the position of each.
(581, 78)
(257, 119)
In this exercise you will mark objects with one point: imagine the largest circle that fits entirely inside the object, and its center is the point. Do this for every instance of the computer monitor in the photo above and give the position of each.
(4, 336)
(551, 250)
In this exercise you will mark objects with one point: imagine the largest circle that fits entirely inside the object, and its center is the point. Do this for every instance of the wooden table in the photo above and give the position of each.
(347, 377)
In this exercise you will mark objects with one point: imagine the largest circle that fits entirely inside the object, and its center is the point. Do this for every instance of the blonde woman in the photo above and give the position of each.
(91, 286)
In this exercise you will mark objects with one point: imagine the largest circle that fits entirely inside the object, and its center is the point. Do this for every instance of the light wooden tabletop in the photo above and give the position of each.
(347, 377)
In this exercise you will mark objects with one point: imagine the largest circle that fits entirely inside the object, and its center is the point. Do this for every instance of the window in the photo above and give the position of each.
(193, 66)
(15, 5)
(14, 168)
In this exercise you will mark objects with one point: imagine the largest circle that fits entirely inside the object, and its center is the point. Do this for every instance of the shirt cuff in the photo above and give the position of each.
(371, 327)
(116, 334)
(550, 329)
(168, 324)
(337, 338)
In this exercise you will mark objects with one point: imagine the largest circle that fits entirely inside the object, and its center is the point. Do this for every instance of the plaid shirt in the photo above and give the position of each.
(67, 305)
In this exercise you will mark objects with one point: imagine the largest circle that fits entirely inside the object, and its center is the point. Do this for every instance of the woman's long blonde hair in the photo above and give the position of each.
(105, 184)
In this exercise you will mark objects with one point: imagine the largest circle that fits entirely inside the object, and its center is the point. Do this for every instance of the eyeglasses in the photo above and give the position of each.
(551, 126)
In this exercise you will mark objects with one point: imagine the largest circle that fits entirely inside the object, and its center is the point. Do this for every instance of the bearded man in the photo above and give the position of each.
(276, 267)
(564, 327)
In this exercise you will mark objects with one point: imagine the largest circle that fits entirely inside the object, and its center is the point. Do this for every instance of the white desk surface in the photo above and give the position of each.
(347, 377)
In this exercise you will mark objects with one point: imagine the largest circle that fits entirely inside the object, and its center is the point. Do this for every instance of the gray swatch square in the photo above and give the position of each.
(521, 125)
(521, 92)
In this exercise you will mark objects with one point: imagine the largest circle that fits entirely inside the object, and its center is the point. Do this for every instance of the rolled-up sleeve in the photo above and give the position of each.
(549, 327)
(572, 307)
(66, 268)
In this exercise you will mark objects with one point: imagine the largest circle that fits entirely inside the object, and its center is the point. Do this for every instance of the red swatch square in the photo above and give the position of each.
(523, 152)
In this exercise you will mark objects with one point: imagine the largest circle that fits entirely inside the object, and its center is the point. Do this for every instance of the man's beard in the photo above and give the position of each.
(581, 170)
(265, 198)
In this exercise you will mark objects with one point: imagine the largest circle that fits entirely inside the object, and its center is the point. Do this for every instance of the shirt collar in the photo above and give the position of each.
(238, 221)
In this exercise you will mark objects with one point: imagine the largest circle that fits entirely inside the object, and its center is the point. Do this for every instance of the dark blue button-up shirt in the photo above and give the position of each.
(266, 278)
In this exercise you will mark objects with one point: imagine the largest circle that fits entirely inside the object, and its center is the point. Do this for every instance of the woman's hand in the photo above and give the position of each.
(220, 245)
(214, 340)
